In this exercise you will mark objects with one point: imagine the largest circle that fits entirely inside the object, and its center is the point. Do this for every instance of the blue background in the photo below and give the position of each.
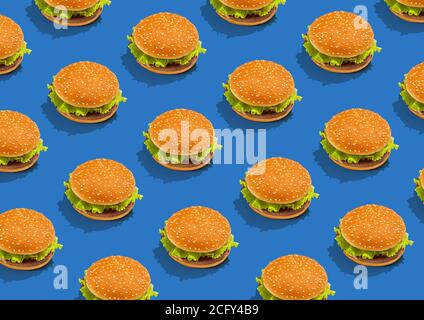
(165, 192)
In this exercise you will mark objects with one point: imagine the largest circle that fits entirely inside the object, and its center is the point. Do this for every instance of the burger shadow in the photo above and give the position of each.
(332, 170)
(395, 23)
(150, 79)
(10, 177)
(10, 276)
(408, 118)
(221, 26)
(78, 221)
(7, 77)
(416, 206)
(257, 221)
(326, 77)
(155, 170)
(46, 26)
(175, 269)
(72, 128)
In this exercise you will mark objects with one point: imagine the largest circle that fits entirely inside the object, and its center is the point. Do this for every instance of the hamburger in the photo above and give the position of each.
(181, 140)
(21, 144)
(373, 236)
(86, 92)
(166, 43)
(73, 13)
(278, 188)
(117, 278)
(341, 42)
(409, 10)
(27, 240)
(412, 90)
(13, 47)
(198, 237)
(420, 186)
(246, 12)
(294, 277)
(358, 139)
(261, 91)
(102, 189)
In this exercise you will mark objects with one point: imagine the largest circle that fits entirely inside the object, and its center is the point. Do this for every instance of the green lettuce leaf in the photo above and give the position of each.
(364, 254)
(409, 100)
(52, 12)
(419, 189)
(19, 258)
(194, 256)
(273, 207)
(97, 208)
(4, 161)
(88, 295)
(334, 61)
(12, 59)
(341, 156)
(266, 295)
(177, 159)
(64, 107)
(144, 58)
(242, 14)
(401, 8)
(255, 110)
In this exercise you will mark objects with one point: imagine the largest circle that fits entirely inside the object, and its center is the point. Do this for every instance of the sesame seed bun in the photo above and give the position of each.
(412, 3)
(279, 181)
(266, 117)
(341, 34)
(422, 177)
(175, 132)
(202, 263)
(102, 182)
(186, 167)
(166, 36)
(285, 214)
(107, 215)
(75, 21)
(358, 132)
(28, 265)
(373, 228)
(346, 67)
(379, 261)
(15, 167)
(246, 4)
(8, 69)
(170, 68)
(91, 118)
(72, 5)
(414, 82)
(295, 277)
(11, 37)
(117, 278)
(363, 165)
(86, 84)
(250, 20)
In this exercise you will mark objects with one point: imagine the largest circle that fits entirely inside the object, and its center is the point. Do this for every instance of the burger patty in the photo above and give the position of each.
(15, 165)
(110, 213)
(173, 67)
(30, 263)
(190, 164)
(364, 163)
(206, 261)
(94, 115)
(287, 212)
(382, 259)
(348, 66)
(252, 18)
(4, 68)
(269, 114)
(78, 19)
(419, 18)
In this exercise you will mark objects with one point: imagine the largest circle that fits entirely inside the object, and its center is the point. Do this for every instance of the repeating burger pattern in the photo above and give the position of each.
(259, 92)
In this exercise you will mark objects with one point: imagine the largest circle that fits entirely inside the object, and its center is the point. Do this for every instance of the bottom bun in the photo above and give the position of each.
(170, 68)
(27, 265)
(91, 117)
(8, 69)
(363, 165)
(107, 216)
(250, 20)
(203, 263)
(15, 167)
(417, 113)
(407, 17)
(266, 117)
(346, 68)
(284, 214)
(186, 167)
(379, 261)
(76, 21)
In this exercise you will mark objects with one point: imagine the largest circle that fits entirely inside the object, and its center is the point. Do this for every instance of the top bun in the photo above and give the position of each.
(25, 232)
(103, 182)
(19, 134)
(11, 37)
(295, 277)
(117, 278)
(246, 4)
(412, 3)
(373, 228)
(166, 36)
(278, 180)
(414, 82)
(73, 5)
(86, 84)
(198, 229)
(182, 132)
(422, 177)
(341, 34)
(358, 132)
(261, 83)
